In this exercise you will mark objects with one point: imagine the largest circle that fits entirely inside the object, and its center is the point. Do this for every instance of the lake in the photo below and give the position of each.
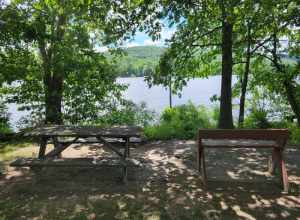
(198, 91)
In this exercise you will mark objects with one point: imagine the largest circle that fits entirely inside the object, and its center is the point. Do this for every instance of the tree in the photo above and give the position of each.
(281, 22)
(205, 32)
(163, 75)
(255, 35)
(233, 29)
(52, 49)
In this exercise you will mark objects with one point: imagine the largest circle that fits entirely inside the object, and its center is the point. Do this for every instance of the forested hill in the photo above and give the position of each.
(139, 60)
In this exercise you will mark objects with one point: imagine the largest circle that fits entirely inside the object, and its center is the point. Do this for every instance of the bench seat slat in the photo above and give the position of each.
(241, 143)
(256, 134)
(74, 162)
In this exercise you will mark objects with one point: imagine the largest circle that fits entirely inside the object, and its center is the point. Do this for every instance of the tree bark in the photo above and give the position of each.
(245, 79)
(53, 88)
(53, 99)
(290, 92)
(225, 120)
(170, 94)
(53, 74)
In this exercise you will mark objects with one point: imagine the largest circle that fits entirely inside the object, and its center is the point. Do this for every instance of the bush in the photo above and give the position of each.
(257, 119)
(4, 119)
(181, 122)
(128, 114)
(294, 134)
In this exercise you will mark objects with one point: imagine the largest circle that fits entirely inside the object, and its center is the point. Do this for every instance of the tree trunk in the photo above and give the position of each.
(53, 99)
(288, 86)
(225, 120)
(170, 94)
(245, 80)
(290, 92)
(53, 74)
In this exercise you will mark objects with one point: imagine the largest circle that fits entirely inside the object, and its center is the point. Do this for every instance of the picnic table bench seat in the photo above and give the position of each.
(75, 162)
(79, 162)
(244, 138)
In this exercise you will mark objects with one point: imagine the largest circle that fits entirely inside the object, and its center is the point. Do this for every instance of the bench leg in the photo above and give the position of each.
(272, 162)
(201, 163)
(203, 170)
(277, 161)
(199, 160)
(283, 172)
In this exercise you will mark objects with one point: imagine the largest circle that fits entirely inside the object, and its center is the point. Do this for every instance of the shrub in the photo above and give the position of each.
(4, 119)
(128, 114)
(181, 122)
(294, 137)
(257, 119)
(160, 132)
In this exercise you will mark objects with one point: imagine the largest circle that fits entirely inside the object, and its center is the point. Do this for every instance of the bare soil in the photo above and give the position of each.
(167, 186)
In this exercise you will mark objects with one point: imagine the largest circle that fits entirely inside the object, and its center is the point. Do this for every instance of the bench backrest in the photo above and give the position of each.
(253, 134)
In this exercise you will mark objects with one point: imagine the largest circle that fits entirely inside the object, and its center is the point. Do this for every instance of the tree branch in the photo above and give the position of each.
(210, 32)
(205, 45)
(241, 62)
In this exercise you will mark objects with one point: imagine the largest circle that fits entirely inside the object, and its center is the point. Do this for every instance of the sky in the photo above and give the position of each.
(142, 39)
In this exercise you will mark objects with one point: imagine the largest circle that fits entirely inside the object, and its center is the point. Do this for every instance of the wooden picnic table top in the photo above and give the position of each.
(85, 131)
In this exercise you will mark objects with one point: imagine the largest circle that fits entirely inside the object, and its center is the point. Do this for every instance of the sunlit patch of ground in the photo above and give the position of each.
(166, 187)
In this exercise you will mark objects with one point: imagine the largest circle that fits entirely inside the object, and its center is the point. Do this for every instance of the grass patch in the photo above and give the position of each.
(12, 149)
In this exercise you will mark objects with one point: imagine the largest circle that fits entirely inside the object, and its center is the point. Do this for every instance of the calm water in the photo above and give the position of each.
(198, 91)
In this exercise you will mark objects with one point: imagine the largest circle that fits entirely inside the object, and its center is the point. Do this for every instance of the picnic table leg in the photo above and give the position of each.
(126, 154)
(125, 173)
(43, 146)
(56, 145)
(127, 151)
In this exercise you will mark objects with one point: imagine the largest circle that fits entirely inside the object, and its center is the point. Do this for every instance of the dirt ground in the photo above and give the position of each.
(167, 186)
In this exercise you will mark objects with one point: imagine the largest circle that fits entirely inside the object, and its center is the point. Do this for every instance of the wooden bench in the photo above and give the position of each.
(245, 138)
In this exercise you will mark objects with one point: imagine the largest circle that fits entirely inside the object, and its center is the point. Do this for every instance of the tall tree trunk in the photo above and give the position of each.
(53, 74)
(53, 99)
(170, 94)
(53, 88)
(225, 120)
(290, 92)
(245, 79)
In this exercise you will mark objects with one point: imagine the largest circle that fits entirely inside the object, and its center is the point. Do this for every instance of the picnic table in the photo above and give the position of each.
(62, 137)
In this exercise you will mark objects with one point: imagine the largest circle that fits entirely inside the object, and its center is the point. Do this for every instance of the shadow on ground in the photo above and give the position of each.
(167, 186)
